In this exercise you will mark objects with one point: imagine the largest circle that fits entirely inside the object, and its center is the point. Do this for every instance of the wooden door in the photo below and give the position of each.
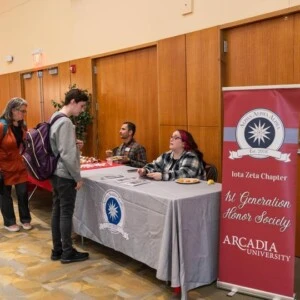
(31, 93)
(50, 91)
(260, 53)
(127, 91)
(15, 89)
(264, 53)
(39, 90)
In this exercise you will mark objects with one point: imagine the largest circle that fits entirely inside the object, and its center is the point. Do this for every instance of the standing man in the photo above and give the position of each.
(131, 153)
(66, 180)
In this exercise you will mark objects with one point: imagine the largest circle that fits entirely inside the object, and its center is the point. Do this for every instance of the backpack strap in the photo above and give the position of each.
(57, 117)
(5, 126)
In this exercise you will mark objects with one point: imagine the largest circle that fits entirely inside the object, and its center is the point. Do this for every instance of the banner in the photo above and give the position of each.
(258, 206)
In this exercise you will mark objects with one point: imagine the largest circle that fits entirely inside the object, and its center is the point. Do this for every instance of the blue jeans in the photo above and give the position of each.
(7, 207)
(64, 196)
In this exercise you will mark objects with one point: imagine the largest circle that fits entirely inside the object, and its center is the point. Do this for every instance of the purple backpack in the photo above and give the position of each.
(38, 156)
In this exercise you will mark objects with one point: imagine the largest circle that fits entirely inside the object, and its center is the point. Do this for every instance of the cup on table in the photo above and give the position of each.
(109, 153)
(109, 161)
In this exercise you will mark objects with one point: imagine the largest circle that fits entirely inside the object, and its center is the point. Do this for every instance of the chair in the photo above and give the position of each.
(211, 172)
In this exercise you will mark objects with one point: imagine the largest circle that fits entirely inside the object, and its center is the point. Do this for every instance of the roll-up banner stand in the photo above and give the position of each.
(258, 206)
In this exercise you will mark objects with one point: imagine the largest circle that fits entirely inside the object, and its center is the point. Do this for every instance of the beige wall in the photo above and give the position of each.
(70, 29)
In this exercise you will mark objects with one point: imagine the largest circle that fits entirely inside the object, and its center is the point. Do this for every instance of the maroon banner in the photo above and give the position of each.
(258, 206)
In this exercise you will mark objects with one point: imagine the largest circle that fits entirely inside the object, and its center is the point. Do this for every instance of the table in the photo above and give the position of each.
(171, 227)
(46, 184)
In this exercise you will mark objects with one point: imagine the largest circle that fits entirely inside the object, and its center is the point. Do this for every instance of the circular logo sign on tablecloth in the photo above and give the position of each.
(113, 212)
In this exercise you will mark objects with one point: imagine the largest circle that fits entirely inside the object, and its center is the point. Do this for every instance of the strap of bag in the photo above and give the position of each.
(56, 118)
(4, 122)
(4, 128)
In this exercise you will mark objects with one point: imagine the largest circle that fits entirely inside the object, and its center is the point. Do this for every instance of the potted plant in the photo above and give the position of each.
(83, 120)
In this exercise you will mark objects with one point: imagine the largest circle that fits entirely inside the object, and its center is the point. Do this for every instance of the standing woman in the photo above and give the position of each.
(12, 134)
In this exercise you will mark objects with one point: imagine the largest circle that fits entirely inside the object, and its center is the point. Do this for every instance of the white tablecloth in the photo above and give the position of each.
(171, 227)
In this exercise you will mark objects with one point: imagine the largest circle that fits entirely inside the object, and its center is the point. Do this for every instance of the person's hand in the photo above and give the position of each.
(79, 144)
(155, 175)
(125, 160)
(78, 185)
(118, 159)
(121, 160)
(141, 171)
(109, 153)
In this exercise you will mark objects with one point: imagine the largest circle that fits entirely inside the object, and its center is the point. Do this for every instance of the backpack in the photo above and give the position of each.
(39, 159)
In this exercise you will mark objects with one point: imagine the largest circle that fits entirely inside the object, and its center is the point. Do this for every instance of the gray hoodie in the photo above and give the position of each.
(63, 142)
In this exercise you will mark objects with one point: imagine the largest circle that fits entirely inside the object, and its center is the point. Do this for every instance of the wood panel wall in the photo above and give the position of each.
(266, 53)
(64, 75)
(51, 91)
(172, 94)
(180, 80)
(15, 89)
(40, 90)
(189, 90)
(83, 79)
(297, 81)
(203, 92)
(4, 91)
(258, 56)
(182, 92)
(10, 86)
(32, 93)
(127, 91)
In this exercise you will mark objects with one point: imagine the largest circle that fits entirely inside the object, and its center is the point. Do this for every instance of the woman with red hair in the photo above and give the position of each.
(184, 160)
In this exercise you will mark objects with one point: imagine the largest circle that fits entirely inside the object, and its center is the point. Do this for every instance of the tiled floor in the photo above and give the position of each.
(26, 272)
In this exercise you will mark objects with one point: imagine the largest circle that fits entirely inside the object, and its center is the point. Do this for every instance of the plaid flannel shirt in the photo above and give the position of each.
(137, 153)
(187, 166)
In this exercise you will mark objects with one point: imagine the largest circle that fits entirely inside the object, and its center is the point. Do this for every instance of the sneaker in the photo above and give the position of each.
(56, 255)
(26, 226)
(12, 228)
(74, 257)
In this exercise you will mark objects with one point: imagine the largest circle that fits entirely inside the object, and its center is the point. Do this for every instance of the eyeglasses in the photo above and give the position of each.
(175, 138)
(23, 111)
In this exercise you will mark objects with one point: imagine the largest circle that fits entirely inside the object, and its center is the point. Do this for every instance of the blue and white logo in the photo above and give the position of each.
(113, 213)
(260, 134)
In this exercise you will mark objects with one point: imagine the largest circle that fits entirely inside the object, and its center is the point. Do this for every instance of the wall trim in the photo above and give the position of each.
(264, 17)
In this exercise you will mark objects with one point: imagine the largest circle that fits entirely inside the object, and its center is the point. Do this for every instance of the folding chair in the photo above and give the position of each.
(211, 172)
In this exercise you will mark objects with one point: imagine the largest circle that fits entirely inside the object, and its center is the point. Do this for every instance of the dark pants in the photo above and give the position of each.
(64, 195)
(7, 207)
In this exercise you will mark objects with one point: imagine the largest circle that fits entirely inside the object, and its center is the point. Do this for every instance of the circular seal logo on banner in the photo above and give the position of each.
(260, 130)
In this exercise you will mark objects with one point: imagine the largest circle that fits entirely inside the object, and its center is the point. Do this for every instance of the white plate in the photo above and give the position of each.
(115, 158)
(187, 180)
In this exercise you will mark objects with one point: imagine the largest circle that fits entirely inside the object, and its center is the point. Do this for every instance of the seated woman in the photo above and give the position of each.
(184, 160)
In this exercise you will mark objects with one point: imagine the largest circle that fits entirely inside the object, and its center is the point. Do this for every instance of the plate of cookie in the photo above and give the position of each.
(187, 180)
(116, 158)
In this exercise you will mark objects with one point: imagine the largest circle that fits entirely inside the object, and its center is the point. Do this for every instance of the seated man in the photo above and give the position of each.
(131, 153)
